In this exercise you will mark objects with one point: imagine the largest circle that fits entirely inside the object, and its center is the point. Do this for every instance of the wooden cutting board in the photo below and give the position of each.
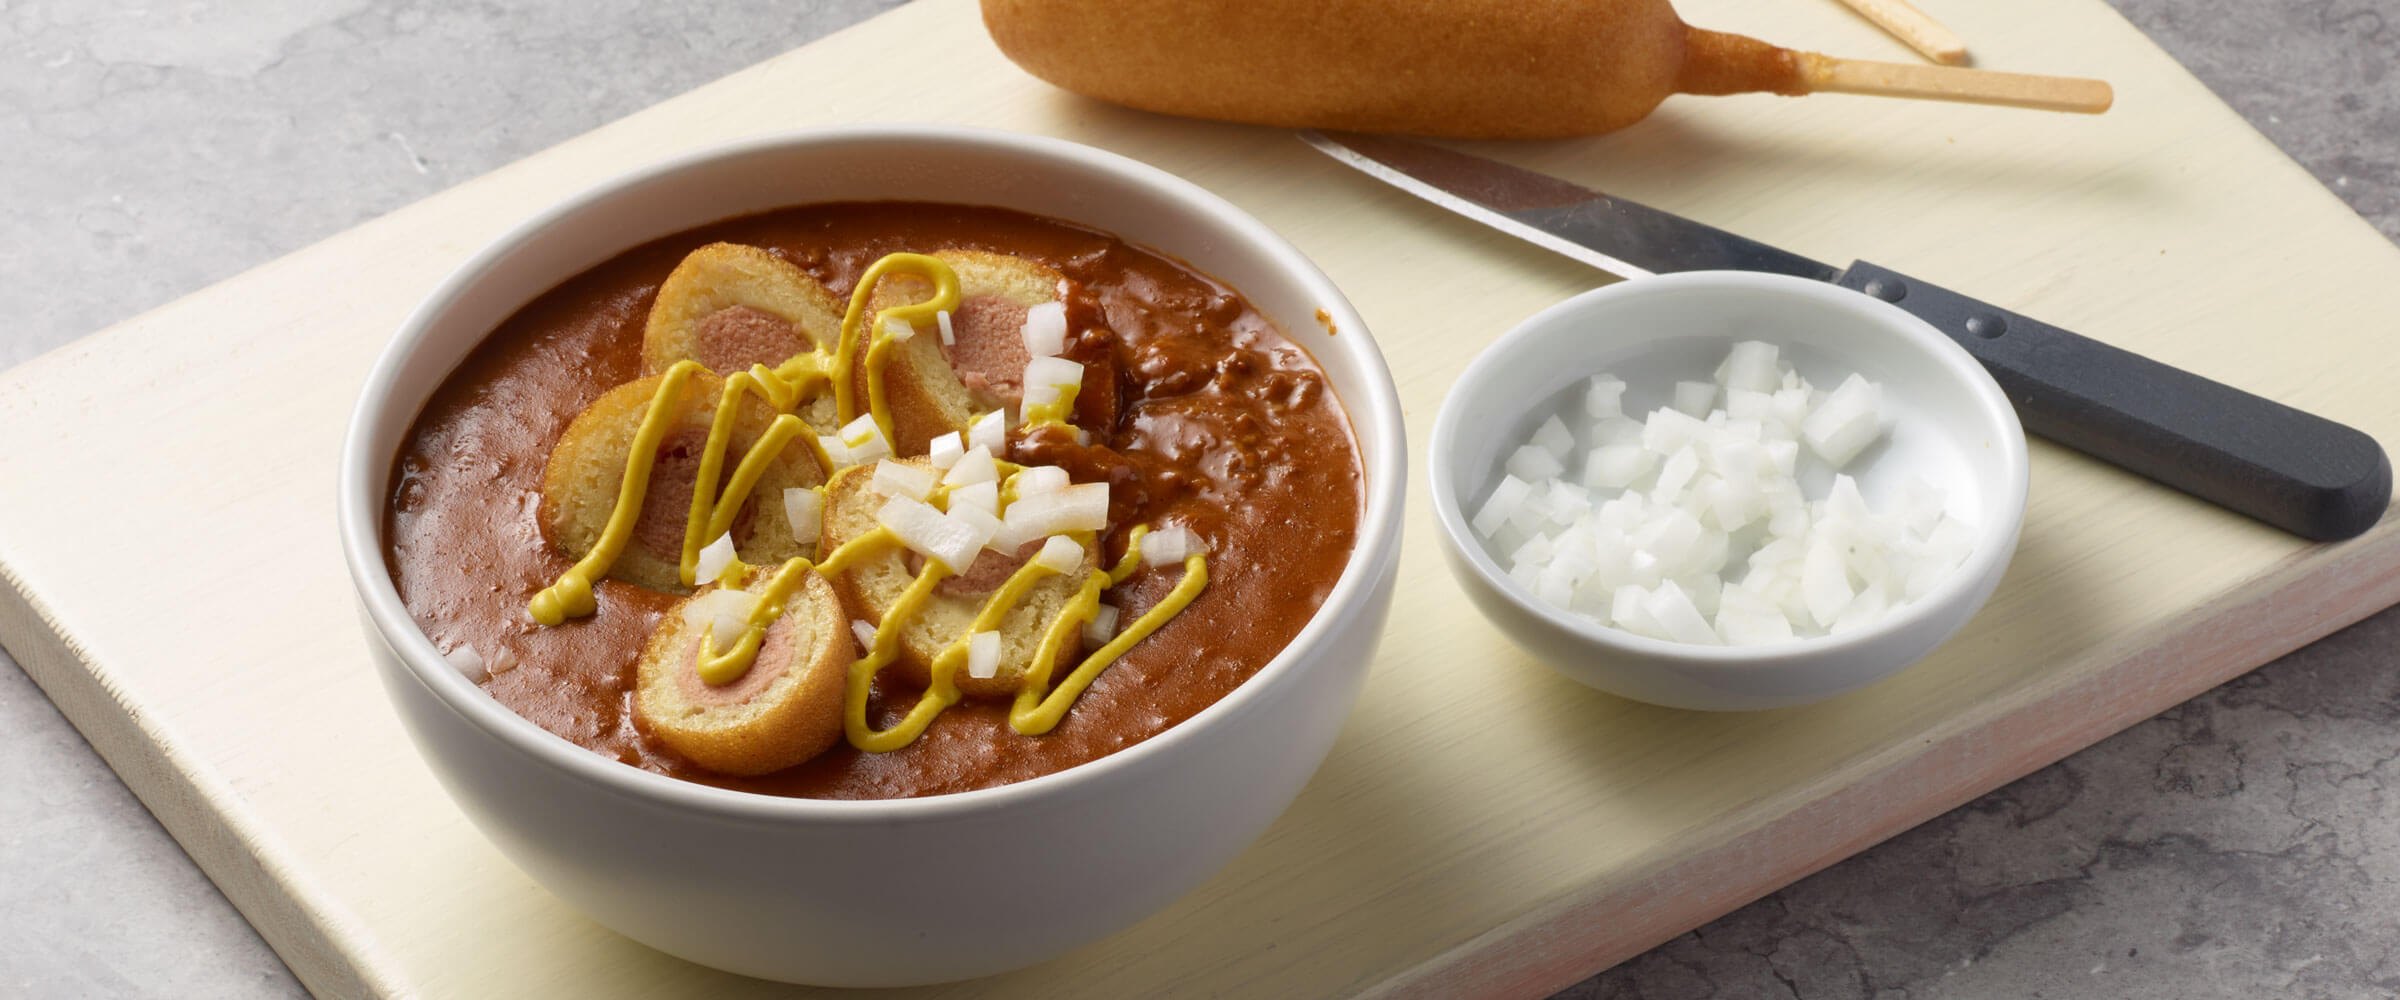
(1483, 827)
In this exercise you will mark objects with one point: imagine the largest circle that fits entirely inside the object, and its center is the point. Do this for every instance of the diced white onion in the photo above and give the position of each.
(1743, 404)
(980, 496)
(1823, 582)
(1102, 626)
(865, 440)
(949, 336)
(983, 655)
(1554, 585)
(1045, 330)
(464, 659)
(1614, 466)
(1676, 473)
(1502, 505)
(976, 466)
(1695, 398)
(805, 509)
(726, 628)
(1869, 605)
(715, 559)
(1041, 479)
(1537, 549)
(1045, 377)
(898, 329)
(1171, 544)
(1626, 609)
(980, 522)
(893, 479)
(1554, 437)
(1010, 540)
(1059, 554)
(835, 451)
(1846, 422)
(863, 632)
(989, 432)
(1844, 503)
(977, 526)
(1617, 430)
(502, 661)
(1668, 430)
(1671, 609)
(1533, 462)
(1784, 454)
(1744, 618)
(1920, 505)
(1690, 524)
(1081, 507)
(1950, 538)
(1790, 406)
(929, 533)
(1602, 397)
(1752, 366)
(711, 609)
(859, 431)
(945, 451)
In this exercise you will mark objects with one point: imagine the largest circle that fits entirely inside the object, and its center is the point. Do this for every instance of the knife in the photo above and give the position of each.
(2297, 471)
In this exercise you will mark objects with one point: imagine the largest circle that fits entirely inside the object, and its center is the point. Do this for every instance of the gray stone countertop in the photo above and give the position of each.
(2245, 844)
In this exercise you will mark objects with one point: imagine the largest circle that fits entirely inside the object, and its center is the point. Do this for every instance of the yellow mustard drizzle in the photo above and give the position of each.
(939, 497)
(1037, 711)
(1132, 559)
(879, 354)
(571, 595)
(939, 695)
(943, 691)
(719, 669)
(754, 465)
(784, 388)
(713, 516)
(857, 549)
(945, 299)
(1056, 411)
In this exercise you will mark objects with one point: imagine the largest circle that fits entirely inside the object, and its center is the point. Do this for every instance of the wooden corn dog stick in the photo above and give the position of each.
(1827, 74)
(1908, 24)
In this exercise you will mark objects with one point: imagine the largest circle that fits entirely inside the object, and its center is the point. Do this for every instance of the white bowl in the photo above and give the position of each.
(881, 892)
(1949, 423)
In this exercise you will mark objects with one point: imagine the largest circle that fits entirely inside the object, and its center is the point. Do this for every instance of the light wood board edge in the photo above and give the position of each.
(2310, 596)
(207, 817)
(300, 922)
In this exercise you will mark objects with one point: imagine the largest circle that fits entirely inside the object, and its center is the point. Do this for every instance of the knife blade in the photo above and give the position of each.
(2300, 472)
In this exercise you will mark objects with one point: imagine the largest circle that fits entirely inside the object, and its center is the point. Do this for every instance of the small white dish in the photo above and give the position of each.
(1948, 423)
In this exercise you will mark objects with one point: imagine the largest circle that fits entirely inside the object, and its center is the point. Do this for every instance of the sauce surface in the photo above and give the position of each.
(1200, 413)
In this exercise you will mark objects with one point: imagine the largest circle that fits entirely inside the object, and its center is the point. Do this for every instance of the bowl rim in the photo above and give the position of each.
(1995, 537)
(360, 512)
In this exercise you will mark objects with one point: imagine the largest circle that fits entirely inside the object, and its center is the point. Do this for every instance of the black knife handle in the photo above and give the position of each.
(2294, 470)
